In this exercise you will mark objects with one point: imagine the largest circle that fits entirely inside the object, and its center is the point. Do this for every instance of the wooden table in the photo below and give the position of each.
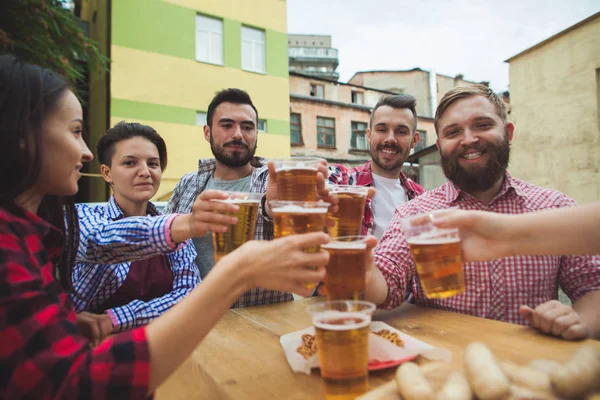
(242, 358)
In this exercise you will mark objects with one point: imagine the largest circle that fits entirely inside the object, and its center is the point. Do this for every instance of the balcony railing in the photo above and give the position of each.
(313, 52)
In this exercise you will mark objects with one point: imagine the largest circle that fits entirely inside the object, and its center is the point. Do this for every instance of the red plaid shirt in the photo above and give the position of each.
(497, 288)
(362, 176)
(42, 353)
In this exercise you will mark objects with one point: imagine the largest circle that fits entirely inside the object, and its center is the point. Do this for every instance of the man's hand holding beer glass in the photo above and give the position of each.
(489, 236)
(303, 181)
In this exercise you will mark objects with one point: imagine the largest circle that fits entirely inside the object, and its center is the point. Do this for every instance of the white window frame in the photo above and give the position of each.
(212, 28)
(254, 40)
(262, 125)
(201, 118)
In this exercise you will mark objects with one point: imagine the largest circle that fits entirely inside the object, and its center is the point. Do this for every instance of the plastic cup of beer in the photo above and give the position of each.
(342, 333)
(296, 217)
(346, 268)
(437, 254)
(351, 207)
(297, 178)
(238, 234)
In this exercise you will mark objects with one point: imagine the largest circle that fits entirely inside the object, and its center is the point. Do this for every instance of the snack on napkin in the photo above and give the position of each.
(390, 337)
(308, 347)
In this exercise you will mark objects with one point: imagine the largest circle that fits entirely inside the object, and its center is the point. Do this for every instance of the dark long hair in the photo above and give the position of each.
(28, 95)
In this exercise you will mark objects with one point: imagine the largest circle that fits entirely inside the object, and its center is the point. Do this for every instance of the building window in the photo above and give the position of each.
(262, 125)
(316, 91)
(357, 98)
(358, 139)
(209, 40)
(253, 50)
(295, 129)
(422, 141)
(325, 132)
(200, 118)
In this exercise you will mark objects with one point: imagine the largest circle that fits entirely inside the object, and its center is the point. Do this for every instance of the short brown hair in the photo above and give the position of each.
(463, 92)
(396, 101)
(128, 130)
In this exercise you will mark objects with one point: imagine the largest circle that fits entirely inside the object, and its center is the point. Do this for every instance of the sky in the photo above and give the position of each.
(469, 37)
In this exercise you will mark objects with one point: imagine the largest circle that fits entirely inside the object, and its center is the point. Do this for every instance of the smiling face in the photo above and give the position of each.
(233, 136)
(391, 137)
(135, 171)
(63, 148)
(474, 144)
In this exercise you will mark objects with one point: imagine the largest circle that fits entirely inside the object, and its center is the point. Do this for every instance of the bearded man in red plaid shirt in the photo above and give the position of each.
(474, 137)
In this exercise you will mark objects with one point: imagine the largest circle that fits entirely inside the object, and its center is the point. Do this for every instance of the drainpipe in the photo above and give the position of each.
(432, 91)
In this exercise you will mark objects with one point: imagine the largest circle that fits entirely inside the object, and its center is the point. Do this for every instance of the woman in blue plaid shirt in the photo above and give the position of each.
(117, 296)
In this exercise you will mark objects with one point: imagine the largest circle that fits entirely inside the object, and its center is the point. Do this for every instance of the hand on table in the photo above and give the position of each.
(96, 327)
(557, 319)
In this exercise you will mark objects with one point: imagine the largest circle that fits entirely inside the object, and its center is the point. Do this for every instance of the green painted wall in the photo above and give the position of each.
(169, 29)
(176, 115)
(154, 26)
(152, 112)
(278, 127)
(232, 43)
(276, 53)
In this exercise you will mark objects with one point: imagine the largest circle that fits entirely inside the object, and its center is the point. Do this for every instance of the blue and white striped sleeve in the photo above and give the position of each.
(186, 277)
(103, 240)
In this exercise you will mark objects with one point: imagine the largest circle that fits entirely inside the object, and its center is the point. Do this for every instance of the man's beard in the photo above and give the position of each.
(236, 159)
(381, 164)
(478, 179)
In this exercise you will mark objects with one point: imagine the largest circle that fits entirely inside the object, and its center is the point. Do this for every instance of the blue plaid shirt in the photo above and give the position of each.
(115, 241)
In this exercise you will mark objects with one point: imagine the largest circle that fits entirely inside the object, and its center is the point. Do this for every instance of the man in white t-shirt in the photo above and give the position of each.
(392, 133)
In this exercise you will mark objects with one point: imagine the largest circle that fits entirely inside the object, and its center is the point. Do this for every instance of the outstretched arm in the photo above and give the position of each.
(488, 236)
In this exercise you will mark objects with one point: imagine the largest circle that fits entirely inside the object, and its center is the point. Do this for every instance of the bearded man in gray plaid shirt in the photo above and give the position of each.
(232, 133)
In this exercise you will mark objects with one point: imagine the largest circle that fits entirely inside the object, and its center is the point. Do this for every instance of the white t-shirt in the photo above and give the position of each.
(390, 194)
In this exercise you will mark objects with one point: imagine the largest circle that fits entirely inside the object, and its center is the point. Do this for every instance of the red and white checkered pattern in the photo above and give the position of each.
(497, 288)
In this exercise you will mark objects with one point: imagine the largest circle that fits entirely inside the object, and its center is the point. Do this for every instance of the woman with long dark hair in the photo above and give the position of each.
(42, 353)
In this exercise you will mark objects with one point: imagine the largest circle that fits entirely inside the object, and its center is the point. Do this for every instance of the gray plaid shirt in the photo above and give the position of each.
(192, 184)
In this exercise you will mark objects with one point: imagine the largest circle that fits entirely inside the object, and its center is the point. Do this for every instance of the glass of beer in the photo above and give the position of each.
(346, 268)
(351, 207)
(297, 178)
(295, 217)
(437, 254)
(342, 333)
(238, 234)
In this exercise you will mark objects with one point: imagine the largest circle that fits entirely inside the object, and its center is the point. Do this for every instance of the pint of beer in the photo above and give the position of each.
(342, 332)
(351, 207)
(238, 234)
(295, 217)
(437, 254)
(346, 268)
(297, 178)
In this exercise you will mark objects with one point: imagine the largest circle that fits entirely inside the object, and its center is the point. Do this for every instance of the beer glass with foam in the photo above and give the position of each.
(238, 234)
(342, 333)
(297, 178)
(346, 268)
(295, 217)
(437, 254)
(351, 207)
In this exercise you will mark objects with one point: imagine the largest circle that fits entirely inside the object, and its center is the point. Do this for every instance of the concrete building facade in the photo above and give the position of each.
(555, 105)
(313, 55)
